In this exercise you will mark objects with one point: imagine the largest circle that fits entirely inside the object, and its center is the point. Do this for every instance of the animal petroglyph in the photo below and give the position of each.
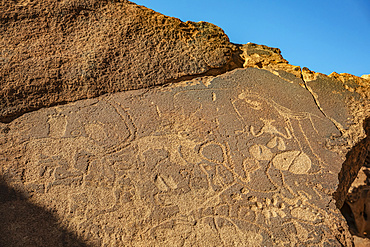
(213, 153)
(216, 164)
(260, 152)
(293, 161)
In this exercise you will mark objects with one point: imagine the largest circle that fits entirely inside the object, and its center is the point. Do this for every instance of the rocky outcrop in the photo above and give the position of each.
(241, 159)
(53, 52)
(356, 207)
(262, 155)
(264, 57)
(238, 159)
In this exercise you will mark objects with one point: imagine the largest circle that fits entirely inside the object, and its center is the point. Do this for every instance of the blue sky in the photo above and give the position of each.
(325, 35)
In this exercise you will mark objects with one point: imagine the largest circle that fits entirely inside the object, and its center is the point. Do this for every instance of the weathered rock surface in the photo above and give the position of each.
(258, 156)
(356, 207)
(52, 52)
(242, 159)
(264, 57)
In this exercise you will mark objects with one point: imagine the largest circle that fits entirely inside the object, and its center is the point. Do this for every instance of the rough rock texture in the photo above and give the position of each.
(52, 52)
(240, 159)
(259, 156)
(26, 224)
(343, 98)
(356, 208)
(264, 57)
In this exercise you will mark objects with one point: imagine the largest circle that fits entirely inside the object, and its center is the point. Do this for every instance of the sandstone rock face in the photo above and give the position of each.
(259, 156)
(52, 52)
(264, 57)
(242, 159)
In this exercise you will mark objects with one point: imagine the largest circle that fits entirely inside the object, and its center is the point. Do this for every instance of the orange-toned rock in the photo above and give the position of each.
(259, 156)
(52, 52)
(242, 159)
(264, 57)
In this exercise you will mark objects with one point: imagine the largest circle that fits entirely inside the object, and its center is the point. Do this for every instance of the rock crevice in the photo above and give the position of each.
(355, 159)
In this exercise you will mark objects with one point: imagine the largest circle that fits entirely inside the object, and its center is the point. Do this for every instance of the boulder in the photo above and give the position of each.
(191, 155)
(53, 52)
(241, 159)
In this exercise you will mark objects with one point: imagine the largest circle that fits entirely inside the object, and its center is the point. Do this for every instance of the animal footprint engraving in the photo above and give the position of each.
(294, 161)
(304, 214)
(57, 125)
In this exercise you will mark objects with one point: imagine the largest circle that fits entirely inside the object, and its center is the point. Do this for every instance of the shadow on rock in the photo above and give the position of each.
(356, 173)
(25, 224)
(355, 159)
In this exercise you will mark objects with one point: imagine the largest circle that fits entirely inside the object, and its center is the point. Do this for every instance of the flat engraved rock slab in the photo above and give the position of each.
(235, 160)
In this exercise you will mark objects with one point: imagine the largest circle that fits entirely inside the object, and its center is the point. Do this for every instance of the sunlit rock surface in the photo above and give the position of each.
(258, 156)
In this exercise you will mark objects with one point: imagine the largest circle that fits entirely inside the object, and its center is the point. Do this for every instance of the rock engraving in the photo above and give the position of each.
(181, 167)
